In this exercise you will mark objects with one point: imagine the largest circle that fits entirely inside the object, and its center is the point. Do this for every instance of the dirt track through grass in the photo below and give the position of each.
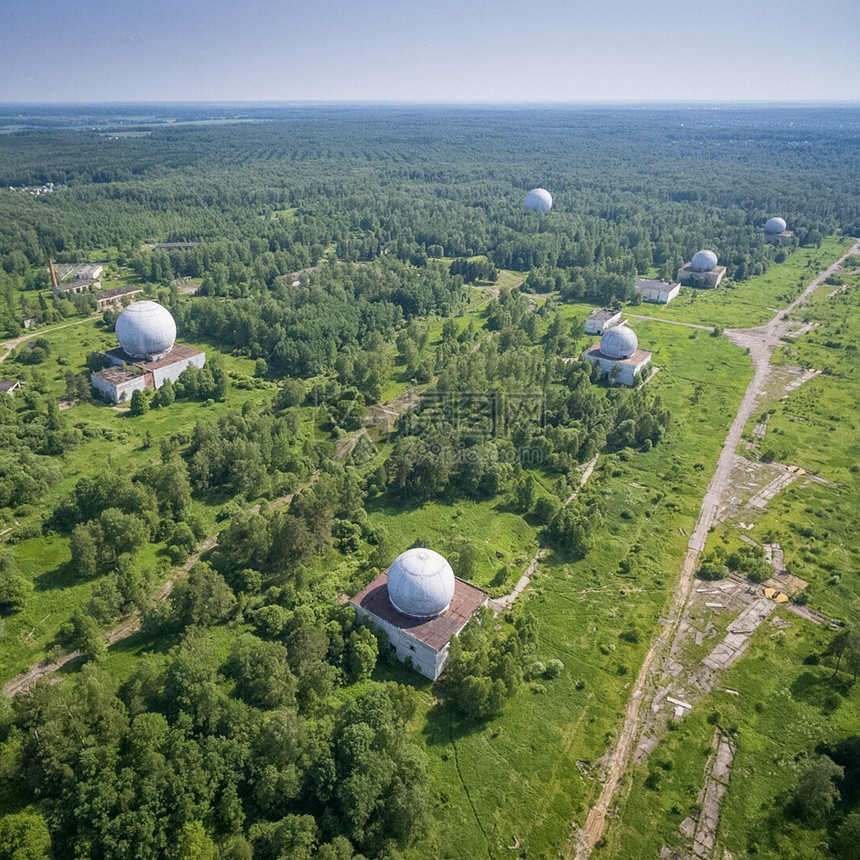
(760, 341)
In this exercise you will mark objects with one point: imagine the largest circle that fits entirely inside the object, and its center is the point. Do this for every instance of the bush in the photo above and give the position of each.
(554, 668)
(536, 670)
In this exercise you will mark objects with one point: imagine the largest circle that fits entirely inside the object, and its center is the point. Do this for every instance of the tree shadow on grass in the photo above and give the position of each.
(144, 642)
(391, 504)
(821, 690)
(62, 576)
(445, 725)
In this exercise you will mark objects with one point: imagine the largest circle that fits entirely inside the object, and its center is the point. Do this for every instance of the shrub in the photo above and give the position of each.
(554, 668)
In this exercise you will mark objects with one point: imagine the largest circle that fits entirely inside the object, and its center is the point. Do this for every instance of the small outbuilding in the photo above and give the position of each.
(702, 271)
(657, 291)
(618, 355)
(89, 271)
(420, 605)
(9, 386)
(115, 296)
(600, 320)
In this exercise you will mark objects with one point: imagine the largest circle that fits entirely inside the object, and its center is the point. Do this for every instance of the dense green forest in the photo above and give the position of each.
(393, 358)
(634, 191)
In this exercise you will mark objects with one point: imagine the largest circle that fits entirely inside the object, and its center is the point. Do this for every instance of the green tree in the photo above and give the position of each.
(195, 843)
(82, 633)
(848, 837)
(14, 587)
(816, 794)
(845, 646)
(139, 402)
(84, 546)
(261, 673)
(24, 836)
(165, 395)
(202, 598)
(362, 653)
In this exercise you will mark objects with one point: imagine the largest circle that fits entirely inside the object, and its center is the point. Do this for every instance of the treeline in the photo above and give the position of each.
(301, 331)
(32, 432)
(198, 756)
(632, 191)
(507, 403)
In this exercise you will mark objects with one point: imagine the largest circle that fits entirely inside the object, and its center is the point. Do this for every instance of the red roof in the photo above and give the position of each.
(637, 358)
(435, 632)
(178, 353)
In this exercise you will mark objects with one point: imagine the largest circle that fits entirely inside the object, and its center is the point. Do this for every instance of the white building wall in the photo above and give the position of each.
(175, 370)
(428, 662)
(626, 372)
(598, 327)
(661, 297)
(118, 393)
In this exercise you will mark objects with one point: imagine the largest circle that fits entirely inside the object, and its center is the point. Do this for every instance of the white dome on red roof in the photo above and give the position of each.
(420, 583)
(146, 330)
(619, 342)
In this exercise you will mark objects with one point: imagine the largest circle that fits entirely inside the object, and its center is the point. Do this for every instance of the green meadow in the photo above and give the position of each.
(755, 300)
(788, 701)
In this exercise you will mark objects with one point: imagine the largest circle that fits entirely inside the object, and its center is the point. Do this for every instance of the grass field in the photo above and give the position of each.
(785, 707)
(529, 774)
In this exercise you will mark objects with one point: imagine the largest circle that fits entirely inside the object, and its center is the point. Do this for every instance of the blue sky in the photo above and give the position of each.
(432, 50)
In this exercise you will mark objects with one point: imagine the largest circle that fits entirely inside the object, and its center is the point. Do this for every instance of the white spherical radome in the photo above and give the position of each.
(703, 261)
(146, 329)
(775, 226)
(538, 200)
(420, 583)
(619, 342)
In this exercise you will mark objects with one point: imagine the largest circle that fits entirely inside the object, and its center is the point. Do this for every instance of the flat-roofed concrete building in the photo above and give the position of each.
(658, 291)
(89, 271)
(115, 296)
(420, 605)
(618, 355)
(147, 356)
(702, 271)
(602, 319)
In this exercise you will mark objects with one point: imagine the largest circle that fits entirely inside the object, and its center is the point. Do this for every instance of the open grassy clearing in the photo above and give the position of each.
(786, 706)
(518, 776)
(751, 302)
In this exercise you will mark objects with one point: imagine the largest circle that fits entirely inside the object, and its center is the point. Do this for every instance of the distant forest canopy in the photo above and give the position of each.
(633, 190)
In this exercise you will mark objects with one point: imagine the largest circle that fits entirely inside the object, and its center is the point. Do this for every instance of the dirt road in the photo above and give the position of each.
(761, 342)
(9, 345)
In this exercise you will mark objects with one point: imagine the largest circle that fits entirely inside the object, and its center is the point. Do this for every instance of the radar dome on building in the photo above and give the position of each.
(775, 226)
(146, 330)
(538, 200)
(619, 342)
(703, 261)
(420, 583)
